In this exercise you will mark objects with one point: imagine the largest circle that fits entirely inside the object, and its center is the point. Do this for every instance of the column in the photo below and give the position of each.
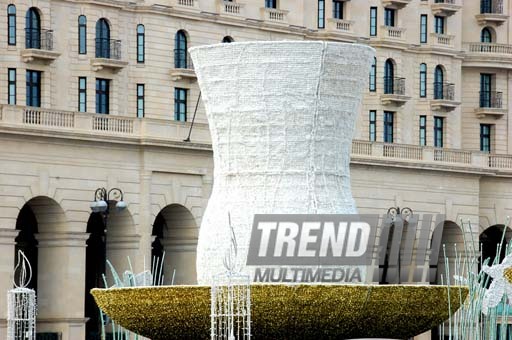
(119, 249)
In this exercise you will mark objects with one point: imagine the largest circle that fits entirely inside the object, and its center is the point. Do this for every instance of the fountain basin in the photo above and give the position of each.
(287, 311)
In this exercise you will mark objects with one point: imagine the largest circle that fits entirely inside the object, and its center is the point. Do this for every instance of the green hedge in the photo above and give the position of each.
(286, 311)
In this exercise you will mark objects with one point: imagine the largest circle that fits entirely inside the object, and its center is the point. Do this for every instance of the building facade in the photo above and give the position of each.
(102, 94)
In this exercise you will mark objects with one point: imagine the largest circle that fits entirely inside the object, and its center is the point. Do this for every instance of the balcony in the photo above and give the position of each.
(396, 4)
(38, 46)
(390, 36)
(274, 16)
(444, 97)
(187, 5)
(394, 92)
(88, 126)
(488, 55)
(108, 55)
(490, 105)
(230, 8)
(183, 66)
(338, 29)
(441, 40)
(491, 12)
(445, 8)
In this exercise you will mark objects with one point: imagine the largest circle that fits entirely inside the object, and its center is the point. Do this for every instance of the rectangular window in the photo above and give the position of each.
(485, 89)
(140, 100)
(439, 25)
(373, 76)
(82, 34)
(423, 28)
(485, 137)
(140, 44)
(82, 94)
(271, 3)
(423, 130)
(438, 132)
(373, 21)
(11, 25)
(373, 126)
(321, 13)
(33, 88)
(102, 95)
(389, 17)
(11, 86)
(423, 80)
(337, 9)
(388, 126)
(180, 104)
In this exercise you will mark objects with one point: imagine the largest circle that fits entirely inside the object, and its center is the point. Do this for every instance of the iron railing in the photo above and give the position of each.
(444, 91)
(491, 99)
(108, 48)
(182, 59)
(39, 39)
(393, 85)
(491, 6)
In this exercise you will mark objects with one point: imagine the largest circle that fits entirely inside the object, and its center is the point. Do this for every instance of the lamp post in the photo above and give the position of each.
(403, 214)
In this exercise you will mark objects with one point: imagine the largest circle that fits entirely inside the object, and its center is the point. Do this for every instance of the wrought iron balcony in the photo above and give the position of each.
(491, 11)
(183, 66)
(490, 104)
(108, 55)
(444, 97)
(38, 46)
(394, 91)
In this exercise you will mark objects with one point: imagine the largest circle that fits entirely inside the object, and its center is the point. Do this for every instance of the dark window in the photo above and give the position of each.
(389, 17)
(140, 43)
(140, 100)
(485, 89)
(82, 34)
(438, 132)
(423, 28)
(373, 76)
(33, 88)
(388, 126)
(337, 9)
(423, 130)
(486, 35)
(271, 3)
(82, 94)
(321, 13)
(11, 86)
(389, 74)
(373, 126)
(102, 39)
(32, 29)
(485, 137)
(227, 40)
(373, 21)
(438, 83)
(180, 104)
(180, 50)
(102, 95)
(11, 24)
(439, 24)
(486, 6)
(423, 80)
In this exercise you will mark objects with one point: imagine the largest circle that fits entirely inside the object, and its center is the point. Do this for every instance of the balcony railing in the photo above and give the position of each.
(491, 6)
(230, 7)
(490, 48)
(444, 91)
(274, 15)
(394, 85)
(442, 39)
(108, 48)
(39, 39)
(451, 2)
(182, 60)
(491, 99)
(393, 32)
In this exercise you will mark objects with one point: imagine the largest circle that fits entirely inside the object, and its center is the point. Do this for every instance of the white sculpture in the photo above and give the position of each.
(281, 117)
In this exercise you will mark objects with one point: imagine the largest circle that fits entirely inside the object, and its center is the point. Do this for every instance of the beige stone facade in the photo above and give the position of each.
(54, 157)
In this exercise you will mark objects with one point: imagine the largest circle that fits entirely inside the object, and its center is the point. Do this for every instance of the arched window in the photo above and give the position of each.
(423, 80)
(32, 29)
(486, 35)
(180, 50)
(227, 39)
(373, 76)
(389, 74)
(438, 82)
(11, 24)
(140, 43)
(102, 39)
(82, 34)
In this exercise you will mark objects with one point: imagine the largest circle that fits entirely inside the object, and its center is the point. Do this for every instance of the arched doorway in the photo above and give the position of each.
(26, 241)
(493, 243)
(33, 28)
(450, 247)
(176, 233)
(486, 35)
(227, 39)
(102, 39)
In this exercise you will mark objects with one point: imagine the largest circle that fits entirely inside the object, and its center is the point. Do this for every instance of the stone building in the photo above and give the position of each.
(102, 94)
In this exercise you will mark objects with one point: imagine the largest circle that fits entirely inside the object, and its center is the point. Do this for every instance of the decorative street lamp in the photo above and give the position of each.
(404, 213)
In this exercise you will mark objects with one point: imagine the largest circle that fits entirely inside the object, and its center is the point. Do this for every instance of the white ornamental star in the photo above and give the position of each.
(500, 283)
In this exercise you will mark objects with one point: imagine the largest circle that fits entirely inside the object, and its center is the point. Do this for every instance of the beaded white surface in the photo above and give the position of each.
(281, 117)
(500, 285)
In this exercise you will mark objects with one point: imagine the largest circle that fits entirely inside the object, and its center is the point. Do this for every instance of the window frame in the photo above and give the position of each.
(423, 130)
(11, 86)
(180, 101)
(338, 10)
(373, 21)
(141, 102)
(439, 24)
(82, 94)
(321, 14)
(390, 17)
(423, 80)
(485, 136)
(389, 126)
(372, 125)
(438, 132)
(271, 4)
(141, 44)
(82, 35)
(11, 24)
(102, 94)
(30, 85)
(423, 28)
(372, 83)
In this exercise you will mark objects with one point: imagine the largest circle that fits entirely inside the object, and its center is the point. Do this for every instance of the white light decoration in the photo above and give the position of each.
(21, 303)
(282, 117)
